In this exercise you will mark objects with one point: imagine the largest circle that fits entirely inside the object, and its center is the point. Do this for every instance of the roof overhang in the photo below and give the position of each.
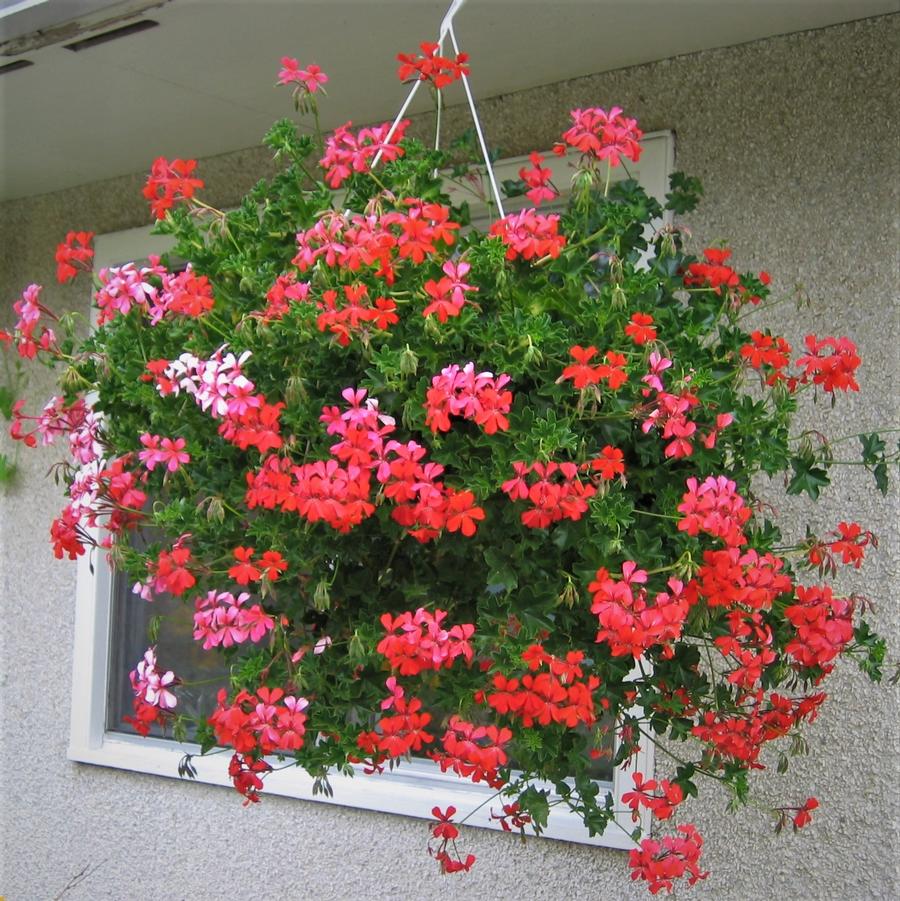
(201, 82)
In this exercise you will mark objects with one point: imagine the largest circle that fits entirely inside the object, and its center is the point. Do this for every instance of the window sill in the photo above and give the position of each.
(411, 790)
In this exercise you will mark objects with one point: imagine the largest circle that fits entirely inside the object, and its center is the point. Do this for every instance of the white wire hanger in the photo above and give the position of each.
(446, 30)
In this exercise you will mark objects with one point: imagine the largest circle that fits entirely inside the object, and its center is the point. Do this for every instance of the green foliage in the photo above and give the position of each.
(685, 194)
(874, 459)
(8, 469)
(807, 476)
(7, 399)
(869, 650)
(519, 583)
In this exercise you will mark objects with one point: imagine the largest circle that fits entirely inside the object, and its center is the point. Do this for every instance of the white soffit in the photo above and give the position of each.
(201, 83)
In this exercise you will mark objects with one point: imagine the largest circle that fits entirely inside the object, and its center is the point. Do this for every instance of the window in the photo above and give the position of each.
(107, 614)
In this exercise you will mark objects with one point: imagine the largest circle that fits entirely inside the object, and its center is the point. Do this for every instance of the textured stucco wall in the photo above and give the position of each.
(796, 141)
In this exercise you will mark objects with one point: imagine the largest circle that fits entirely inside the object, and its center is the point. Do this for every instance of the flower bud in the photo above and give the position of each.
(215, 510)
(409, 361)
(321, 596)
(582, 183)
(616, 270)
(294, 392)
(71, 378)
(356, 650)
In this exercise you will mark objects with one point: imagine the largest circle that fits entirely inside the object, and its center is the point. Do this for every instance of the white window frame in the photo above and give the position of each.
(413, 788)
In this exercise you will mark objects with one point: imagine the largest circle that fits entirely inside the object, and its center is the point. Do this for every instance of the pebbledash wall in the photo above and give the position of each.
(796, 140)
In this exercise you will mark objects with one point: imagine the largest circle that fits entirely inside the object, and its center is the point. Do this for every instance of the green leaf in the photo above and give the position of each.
(513, 187)
(874, 648)
(537, 803)
(7, 399)
(880, 473)
(807, 477)
(685, 194)
(8, 469)
(153, 629)
(873, 448)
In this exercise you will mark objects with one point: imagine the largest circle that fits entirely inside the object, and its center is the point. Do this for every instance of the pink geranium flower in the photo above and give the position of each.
(311, 78)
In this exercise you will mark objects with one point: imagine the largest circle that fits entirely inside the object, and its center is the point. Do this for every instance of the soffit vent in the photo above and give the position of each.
(18, 64)
(106, 19)
(113, 35)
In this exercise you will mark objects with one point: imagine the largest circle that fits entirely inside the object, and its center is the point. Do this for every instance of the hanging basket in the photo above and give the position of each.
(486, 496)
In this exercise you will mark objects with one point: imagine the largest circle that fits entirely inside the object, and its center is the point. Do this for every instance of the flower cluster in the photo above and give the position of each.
(170, 183)
(738, 738)
(768, 353)
(848, 541)
(640, 329)
(662, 804)
(797, 816)
(462, 392)
(127, 286)
(445, 830)
(355, 314)
(74, 255)
(398, 734)
(106, 495)
(431, 66)
(77, 421)
(269, 564)
(219, 387)
(473, 752)
(537, 178)
(556, 491)
(311, 78)
(447, 295)
(585, 374)
(833, 370)
(358, 242)
(418, 641)
(184, 294)
(530, 235)
(628, 624)
(554, 690)
(716, 275)
(169, 573)
(604, 135)
(713, 273)
(153, 695)
(714, 507)
(25, 335)
(512, 817)
(279, 297)
(660, 863)
(730, 577)
(159, 451)
(260, 723)
(824, 626)
(221, 619)
(669, 413)
(347, 153)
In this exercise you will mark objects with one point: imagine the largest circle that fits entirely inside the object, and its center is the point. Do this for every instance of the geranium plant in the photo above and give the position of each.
(493, 497)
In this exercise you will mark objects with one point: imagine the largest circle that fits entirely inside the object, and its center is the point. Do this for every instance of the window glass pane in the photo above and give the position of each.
(175, 650)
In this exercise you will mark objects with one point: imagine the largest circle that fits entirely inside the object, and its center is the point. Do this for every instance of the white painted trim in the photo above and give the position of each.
(413, 788)
(132, 244)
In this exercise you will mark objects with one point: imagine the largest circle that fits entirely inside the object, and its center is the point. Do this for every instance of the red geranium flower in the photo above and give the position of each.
(74, 256)
(169, 182)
